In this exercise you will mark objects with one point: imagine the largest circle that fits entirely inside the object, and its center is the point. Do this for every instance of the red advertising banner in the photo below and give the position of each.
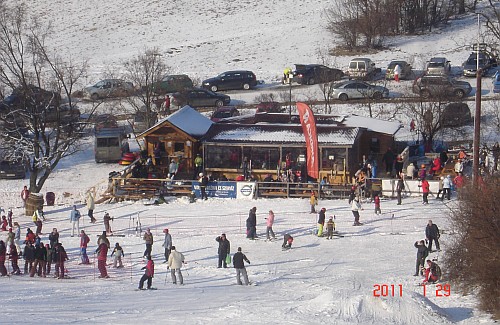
(309, 128)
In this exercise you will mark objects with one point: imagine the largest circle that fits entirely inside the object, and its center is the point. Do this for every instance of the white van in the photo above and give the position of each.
(362, 68)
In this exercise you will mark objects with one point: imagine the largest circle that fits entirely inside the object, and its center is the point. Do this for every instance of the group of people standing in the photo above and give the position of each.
(433, 272)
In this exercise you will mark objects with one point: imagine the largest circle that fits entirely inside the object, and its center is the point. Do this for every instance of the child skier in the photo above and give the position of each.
(102, 252)
(330, 228)
(148, 274)
(287, 241)
(118, 253)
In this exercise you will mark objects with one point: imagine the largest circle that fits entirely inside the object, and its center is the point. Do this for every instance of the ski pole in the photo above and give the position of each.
(130, 260)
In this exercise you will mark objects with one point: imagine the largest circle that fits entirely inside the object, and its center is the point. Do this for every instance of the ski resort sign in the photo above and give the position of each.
(227, 190)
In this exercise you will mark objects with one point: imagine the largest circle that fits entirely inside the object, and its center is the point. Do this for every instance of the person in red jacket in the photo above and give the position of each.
(24, 195)
(425, 191)
(84, 240)
(4, 223)
(148, 274)
(102, 252)
(376, 200)
(3, 252)
(436, 166)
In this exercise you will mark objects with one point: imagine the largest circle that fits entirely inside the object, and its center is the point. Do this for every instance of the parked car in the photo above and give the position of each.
(229, 80)
(310, 74)
(456, 114)
(269, 107)
(496, 82)
(109, 88)
(172, 84)
(224, 112)
(198, 97)
(352, 89)
(438, 66)
(12, 170)
(406, 72)
(362, 68)
(441, 86)
(470, 66)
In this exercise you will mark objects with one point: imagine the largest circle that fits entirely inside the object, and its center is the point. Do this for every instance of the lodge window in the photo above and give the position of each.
(222, 157)
(333, 158)
(262, 157)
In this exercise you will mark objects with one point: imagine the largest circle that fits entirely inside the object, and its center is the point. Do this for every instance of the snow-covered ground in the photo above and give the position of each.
(318, 281)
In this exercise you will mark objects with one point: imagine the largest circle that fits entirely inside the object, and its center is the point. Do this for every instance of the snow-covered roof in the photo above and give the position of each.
(285, 133)
(186, 119)
(372, 124)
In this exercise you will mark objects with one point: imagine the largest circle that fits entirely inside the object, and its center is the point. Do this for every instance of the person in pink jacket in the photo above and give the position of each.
(269, 223)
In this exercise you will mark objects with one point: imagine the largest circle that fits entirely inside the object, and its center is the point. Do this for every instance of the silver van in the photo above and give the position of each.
(110, 144)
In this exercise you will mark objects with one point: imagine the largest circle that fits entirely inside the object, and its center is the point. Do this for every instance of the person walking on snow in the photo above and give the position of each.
(167, 244)
(118, 253)
(313, 201)
(400, 187)
(148, 238)
(175, 261)
(321, 221)
(269, 224)
(355, 208)
(422, 253)
(252, 223)
(84, 240)
(224, 250)
(91, 207)
(376, 201)
(102, 252)
(446, 187)
(239, 265)
(74, 217)
(432, 234)
(148, 274)
(330, 228)
(425, 191)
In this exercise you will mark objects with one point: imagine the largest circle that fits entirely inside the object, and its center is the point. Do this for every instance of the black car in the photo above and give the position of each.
(12, 170)
(229, 80)
(310, 74)
(198, 97)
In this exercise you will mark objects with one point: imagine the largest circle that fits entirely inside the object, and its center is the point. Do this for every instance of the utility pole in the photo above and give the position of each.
(477, 115)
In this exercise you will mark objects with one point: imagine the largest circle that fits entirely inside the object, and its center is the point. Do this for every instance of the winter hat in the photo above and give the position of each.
(239, 249)
(165, 230)
(323, 209)
(442, 177)
(223, 235)
(200, 174)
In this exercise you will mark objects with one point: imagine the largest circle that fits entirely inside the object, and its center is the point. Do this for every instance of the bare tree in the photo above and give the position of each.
(39, 126)
(146, 70)
(492, 16)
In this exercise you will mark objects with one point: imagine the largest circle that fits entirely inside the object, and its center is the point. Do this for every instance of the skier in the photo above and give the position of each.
(148, 238)
(37, 219)
(313, 201)
(224, 250)
(269, 224)
(59, 256)
(102, 252)
(432, 234)
(91, 207)
(175, 261)
(118, 253)
(425, 191)
(287, 241)
(29, 257)
(422, 253)
(432, 272)
(14, 257)
(148, 274)
(84, 240)
(355, 207)
(103, 239)
(239, 265)
(400, 187)
(321, 221)
(3, 253)
(167, 244)
(74, 217)
(107, 218)
(376, 201)
(330, 228)
(203, 185)
(252, 223)
(40, 260)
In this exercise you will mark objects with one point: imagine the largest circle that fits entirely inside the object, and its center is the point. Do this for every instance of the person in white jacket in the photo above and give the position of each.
(446, 187)
(356, 206)
(175, 261)
(17, 236)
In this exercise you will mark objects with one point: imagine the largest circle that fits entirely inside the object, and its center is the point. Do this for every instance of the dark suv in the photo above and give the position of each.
(231, 80)
(198, 97)
(172, 84)
(441, 86)
(310, 74)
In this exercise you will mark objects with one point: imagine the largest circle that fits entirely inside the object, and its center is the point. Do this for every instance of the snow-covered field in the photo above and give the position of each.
(318, 281)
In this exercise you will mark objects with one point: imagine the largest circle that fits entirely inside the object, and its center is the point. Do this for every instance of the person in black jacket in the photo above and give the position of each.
(432, 234)
(29, 257)
(422, 253)
(40, 260)
(239, 265)
(400, 187)
(252, 223)
(224, 249)
(203, 185)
